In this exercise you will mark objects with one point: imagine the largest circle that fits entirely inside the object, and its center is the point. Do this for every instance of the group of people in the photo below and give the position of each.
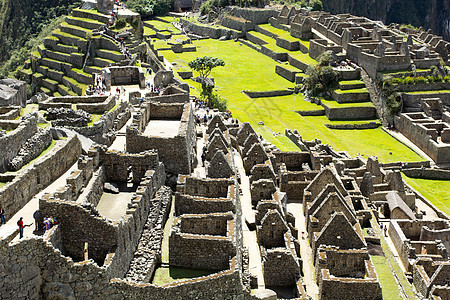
(98, 87)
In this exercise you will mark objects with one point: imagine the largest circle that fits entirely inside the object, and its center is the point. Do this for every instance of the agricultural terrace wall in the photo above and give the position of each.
(9, 113)
(255, 15)
(436, 174)
(349, 113)
(214, 33)
(11, 143)
(15, 194)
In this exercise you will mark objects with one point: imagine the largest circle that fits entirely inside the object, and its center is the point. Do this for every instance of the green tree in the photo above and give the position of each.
(204, 65)
(316, 5)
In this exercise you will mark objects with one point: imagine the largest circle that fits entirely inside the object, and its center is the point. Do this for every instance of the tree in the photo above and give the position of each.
(204, 65)
(316, 5)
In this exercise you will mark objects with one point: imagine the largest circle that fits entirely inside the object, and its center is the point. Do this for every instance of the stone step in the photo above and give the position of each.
(109, 54)
(102, 62)
(65, 48)
(74, 85)
(74, 30)
(70, 39)
(55, 64)
(92, 69)
(351, 96)
(50, 84)
(81, 76)
(59, 56)
(84, 22)
(351, 84)
(91, 14)
(45, 90)
(65, 91)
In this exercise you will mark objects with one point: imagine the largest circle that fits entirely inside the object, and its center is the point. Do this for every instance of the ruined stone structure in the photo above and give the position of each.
(13, 92)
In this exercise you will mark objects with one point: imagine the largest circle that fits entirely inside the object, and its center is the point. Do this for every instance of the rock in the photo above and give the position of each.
(111, 187)
(261, 123)
(366, 187)
(223, 38)
(265, 294)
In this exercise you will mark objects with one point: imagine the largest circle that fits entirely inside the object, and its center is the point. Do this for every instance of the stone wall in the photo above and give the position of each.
(11, 143)
(15, 194)
(255, 15)
(177, 153)
(280, 267)
(205, 30)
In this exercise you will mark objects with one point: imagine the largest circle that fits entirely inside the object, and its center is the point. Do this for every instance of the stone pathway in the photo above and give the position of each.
(28, 209)
(249, 237)
(305, 250)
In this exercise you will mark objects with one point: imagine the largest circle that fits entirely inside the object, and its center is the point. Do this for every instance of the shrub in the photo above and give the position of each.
(206, 7)
(447, 78)
(316, 5)
(325, 59)
(420, 79)
(119, 24)
(321, 79)
(409, 80)
(393, 104)
(218, 102)
(148, 8)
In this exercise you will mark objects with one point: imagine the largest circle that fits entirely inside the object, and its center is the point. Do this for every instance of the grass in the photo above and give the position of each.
(89, 11)
(436, 191)
(352, 91)
(27, 109)
(351, 82)
(43, 153)
(283, 34)
(149, 31)
(86, 20)
(168, 275)
(247, 69)
(334, 104)
(386, 278)
(2, 184)
(161, 26)
(430, 92)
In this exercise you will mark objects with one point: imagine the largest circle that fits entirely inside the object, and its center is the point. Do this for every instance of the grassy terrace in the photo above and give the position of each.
(430, 92)
(334, 104)
(89, 11)
(283, 34)
(59, 32)
(386, 278)
(436, 191)
(149, 31)
(351, 82)
(160, 26)
(247, 69)
(168, 275)
(352, 91)
(92, 21)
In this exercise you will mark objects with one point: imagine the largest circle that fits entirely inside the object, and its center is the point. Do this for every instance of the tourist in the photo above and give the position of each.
(37, 216)
(2, 216)
(21, 227)
(385, 230)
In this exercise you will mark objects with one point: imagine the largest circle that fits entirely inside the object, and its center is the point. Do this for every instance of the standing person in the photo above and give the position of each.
(37, 216)
(2, 216)
(21, 226)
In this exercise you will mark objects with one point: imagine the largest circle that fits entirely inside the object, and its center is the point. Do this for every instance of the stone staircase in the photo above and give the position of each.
(60, 67)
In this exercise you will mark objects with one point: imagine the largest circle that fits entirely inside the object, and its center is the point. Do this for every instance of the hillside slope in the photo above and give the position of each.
(24, 19)
(434, 14)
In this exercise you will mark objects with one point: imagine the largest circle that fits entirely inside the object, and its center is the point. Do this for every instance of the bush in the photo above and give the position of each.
(325, 59)
(316, 5)
(393, 104)
(218, 102)
(409, 80)
(206, 7)
(420, 79)
(321, 79)
(149, 8)
(447, 78)
(119, 24)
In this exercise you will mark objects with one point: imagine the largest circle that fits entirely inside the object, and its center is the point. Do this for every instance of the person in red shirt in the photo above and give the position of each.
(21, 226)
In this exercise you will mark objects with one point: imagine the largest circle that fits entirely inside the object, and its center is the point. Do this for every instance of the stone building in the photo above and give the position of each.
(13, 92)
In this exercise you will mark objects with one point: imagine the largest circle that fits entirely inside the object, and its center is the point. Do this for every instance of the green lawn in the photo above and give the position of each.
(247, 69)
(283, 34)
(2, 184)
(430, 92)
(168, 275)
(334, 104)
(386, 278)
(436, 191)
(352, 91)
(351, 82)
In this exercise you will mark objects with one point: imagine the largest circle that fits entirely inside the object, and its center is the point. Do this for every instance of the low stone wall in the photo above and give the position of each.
(9, 113)
(15, 194)
(414, 100)
(297, 63)
(286, 73)
(435, 86)
(435, 174)
(11, 143)
(350, 97)
(255, 15)
(370, 125)
(98, 108)
(350, 113)
(255, 94)
(237, 23)
(31, 149)
(205, 30)
(9, 125)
